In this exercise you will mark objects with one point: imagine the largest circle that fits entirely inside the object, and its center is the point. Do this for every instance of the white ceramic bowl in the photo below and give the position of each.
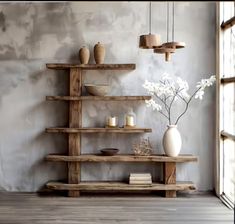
(97, 90)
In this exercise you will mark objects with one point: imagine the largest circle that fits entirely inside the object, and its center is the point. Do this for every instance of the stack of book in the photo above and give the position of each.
(140, 178)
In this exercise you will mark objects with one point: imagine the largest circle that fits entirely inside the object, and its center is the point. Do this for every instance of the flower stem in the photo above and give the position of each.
(187, 103)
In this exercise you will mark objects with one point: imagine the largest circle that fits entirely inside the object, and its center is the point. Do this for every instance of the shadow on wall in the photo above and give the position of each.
(37, 171)
(2, 22)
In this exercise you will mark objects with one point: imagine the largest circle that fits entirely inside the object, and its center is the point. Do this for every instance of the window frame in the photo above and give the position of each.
(221, 134)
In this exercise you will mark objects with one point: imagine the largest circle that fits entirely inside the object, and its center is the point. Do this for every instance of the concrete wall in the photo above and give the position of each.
(34, 34)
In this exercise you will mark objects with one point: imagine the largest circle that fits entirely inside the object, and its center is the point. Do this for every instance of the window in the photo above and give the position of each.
(225, 186)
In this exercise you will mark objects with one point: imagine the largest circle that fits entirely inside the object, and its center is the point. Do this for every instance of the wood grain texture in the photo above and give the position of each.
(92, 66)
(149, 41)
(120, 186)
(98, 130)
(169, 177)
(98, 98)
(75, 120)
(31, 208)
(121, 158)
(163, 50)
(174, 45)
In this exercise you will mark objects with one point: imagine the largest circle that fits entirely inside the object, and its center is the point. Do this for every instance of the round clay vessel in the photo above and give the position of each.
(84, 55)
(99, 53)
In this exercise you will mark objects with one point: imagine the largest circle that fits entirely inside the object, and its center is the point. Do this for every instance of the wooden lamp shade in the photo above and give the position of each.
(166, 51)
(174, 45)
(149, 41)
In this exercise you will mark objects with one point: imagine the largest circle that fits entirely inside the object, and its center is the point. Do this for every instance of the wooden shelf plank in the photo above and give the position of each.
(119, 186)
(98, 130)
(98, 98)
(120, 158)
(64, 66)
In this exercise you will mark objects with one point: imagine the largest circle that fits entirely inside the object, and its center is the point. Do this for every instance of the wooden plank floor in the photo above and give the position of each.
(23, 208)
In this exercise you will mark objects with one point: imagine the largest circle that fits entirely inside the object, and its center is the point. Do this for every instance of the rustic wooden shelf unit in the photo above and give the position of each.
(74, 130)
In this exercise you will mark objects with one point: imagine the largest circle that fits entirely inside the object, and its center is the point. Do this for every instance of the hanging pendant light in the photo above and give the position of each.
(169, 47)
(164, 49)
(149, 41)
(174, 44)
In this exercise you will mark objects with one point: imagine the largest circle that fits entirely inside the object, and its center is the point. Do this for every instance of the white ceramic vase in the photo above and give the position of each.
(172, 141)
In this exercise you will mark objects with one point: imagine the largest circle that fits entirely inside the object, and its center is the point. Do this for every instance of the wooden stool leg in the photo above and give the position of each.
(169, 177)
(75, 121)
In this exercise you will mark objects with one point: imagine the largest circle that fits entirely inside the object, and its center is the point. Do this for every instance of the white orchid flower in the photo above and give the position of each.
(182, 84)
(153, 104)
(149, 86)
(206, 82)
(199, 94)
(167, 91)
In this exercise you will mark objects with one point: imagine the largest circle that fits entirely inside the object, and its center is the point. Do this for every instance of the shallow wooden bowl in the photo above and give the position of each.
(97, 90)
(109, 151)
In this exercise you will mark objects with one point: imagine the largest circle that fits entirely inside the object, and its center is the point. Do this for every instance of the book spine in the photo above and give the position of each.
(140, 182)
(140, 175)
(140, 178)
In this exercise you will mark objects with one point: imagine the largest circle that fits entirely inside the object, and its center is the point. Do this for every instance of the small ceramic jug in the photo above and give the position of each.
(99, 53)
(84, 55)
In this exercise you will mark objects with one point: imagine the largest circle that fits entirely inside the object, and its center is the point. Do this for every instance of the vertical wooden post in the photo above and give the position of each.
(169, 177)
(75, 120)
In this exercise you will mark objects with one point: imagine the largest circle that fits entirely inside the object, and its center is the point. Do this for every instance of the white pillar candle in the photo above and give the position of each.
(130, 121)
(112, 121)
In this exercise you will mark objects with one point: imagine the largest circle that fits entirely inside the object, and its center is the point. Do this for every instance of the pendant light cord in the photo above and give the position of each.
(167, 21)
(173, 21)
(150, 15)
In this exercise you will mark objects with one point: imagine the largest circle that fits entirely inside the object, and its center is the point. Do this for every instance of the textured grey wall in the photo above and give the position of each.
(34, 34)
